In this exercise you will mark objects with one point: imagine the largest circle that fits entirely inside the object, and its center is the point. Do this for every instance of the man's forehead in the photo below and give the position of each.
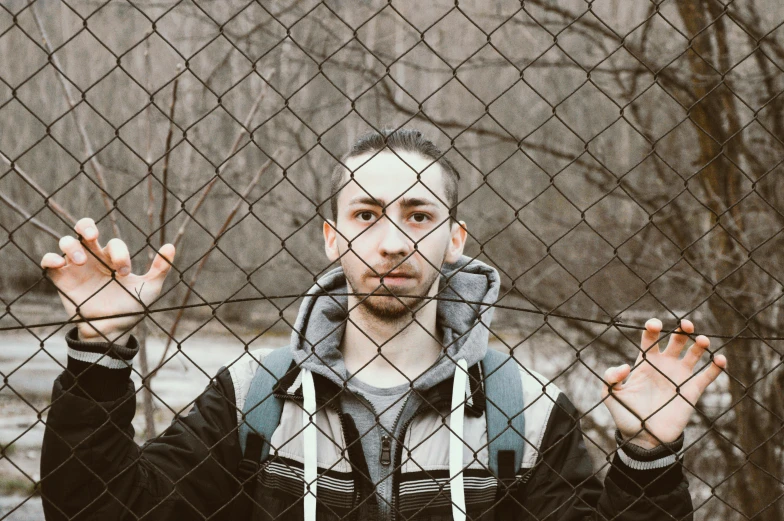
(388, 175)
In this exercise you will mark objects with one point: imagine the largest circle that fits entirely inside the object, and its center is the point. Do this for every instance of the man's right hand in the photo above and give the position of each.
(84, 279)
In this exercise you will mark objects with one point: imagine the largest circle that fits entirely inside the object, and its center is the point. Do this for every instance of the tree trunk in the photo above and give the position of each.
(753, 487)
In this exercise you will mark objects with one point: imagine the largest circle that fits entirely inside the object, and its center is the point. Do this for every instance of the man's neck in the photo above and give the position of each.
(409, 347)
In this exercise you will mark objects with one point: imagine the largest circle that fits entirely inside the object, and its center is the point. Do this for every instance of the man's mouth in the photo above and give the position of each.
(394, 277)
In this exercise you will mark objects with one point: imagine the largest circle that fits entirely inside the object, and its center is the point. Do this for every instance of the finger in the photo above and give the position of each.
(87, 229)
(678, 339)
(73, 250)
(52, 261)
(119, 256)
(614, 376)
(650, 338)
(693, 355)
(161, 264)
(705, 378)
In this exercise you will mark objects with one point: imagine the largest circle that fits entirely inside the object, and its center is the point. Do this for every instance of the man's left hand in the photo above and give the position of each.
(650, 393)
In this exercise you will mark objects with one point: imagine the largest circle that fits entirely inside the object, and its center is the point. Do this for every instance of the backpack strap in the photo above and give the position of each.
(505, 421)
(505, 418)
(261, 414)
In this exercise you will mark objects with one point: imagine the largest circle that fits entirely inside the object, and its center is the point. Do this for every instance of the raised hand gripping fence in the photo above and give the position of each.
(617, 161)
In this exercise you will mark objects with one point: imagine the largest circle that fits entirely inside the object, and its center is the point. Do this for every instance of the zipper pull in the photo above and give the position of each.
(386, 450)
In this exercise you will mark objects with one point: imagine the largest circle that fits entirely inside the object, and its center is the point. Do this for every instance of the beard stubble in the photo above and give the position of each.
(385, 306)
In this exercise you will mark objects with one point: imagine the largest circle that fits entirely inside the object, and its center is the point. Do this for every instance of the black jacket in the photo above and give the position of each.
(91, 468)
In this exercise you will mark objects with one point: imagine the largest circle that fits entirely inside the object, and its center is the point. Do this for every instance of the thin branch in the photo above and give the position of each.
(89, 149)
(148, 405)
(49, 201)
(166, 162)
(208, 188)
(241, 199)
(32, 220)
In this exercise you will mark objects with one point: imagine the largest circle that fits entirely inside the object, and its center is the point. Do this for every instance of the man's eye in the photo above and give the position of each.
(365, 216)
(420, 217)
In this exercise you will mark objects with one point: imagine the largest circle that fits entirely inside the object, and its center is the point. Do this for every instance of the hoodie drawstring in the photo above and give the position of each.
(456, 441)
(310, 436)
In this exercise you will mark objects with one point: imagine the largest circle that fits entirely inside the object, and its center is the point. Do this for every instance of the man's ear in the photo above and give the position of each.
(456, 242)
(331, 240)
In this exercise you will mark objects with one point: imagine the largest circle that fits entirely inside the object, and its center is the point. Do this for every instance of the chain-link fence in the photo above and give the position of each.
(618, 161)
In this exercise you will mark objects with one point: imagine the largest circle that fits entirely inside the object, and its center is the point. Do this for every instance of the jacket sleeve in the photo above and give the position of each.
(91, 467)
(563, 484)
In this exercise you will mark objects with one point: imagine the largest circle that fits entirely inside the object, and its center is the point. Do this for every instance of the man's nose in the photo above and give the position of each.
(394, 240)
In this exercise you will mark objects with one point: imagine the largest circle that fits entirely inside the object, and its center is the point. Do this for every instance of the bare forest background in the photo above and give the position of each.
(618, 160)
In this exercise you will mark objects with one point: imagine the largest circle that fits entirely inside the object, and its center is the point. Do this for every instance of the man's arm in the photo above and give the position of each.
(651, 404)
(91, 468)
(563, 485)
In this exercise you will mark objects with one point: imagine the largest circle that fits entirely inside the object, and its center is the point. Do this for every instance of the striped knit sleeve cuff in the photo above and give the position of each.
(98, 370)
(652, 471)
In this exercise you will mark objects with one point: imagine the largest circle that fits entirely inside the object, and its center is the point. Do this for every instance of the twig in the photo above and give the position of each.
(53, 205)
(89, 150)
(32, 220)
(189, 215)
(148, 404)
(166, 162)
(204, 259)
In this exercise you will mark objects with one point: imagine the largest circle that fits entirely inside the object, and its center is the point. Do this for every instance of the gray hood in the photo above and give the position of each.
(319, 327)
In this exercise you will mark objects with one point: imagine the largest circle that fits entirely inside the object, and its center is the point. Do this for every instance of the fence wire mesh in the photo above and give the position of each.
(618, 161)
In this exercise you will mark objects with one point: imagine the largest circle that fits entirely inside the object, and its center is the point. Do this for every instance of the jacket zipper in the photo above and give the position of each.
(385, 457)
(386, 450)
(386, 440)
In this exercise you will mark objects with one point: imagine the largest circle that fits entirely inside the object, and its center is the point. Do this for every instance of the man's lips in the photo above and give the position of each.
(393, 278)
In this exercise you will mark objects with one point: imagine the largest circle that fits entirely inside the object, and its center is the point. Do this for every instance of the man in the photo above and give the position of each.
(378, 344)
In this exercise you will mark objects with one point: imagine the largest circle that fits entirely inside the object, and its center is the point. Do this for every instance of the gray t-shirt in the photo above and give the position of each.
(387, 402)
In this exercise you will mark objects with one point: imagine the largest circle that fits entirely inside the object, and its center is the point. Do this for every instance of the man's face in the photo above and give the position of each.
(390, 225)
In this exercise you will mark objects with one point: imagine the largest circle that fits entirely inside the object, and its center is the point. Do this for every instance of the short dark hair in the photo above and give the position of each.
(397, 140)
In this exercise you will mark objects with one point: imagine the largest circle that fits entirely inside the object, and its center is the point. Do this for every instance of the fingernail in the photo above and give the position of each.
(125, 270)
(79, 257)
(89, 231)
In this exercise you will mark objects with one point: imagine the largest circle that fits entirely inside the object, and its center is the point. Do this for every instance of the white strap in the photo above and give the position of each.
(310, 432)
(456, 441)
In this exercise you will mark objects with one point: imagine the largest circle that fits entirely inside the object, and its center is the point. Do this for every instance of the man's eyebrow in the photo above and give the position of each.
(366, 199)
(405, 202)
(413, 202)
